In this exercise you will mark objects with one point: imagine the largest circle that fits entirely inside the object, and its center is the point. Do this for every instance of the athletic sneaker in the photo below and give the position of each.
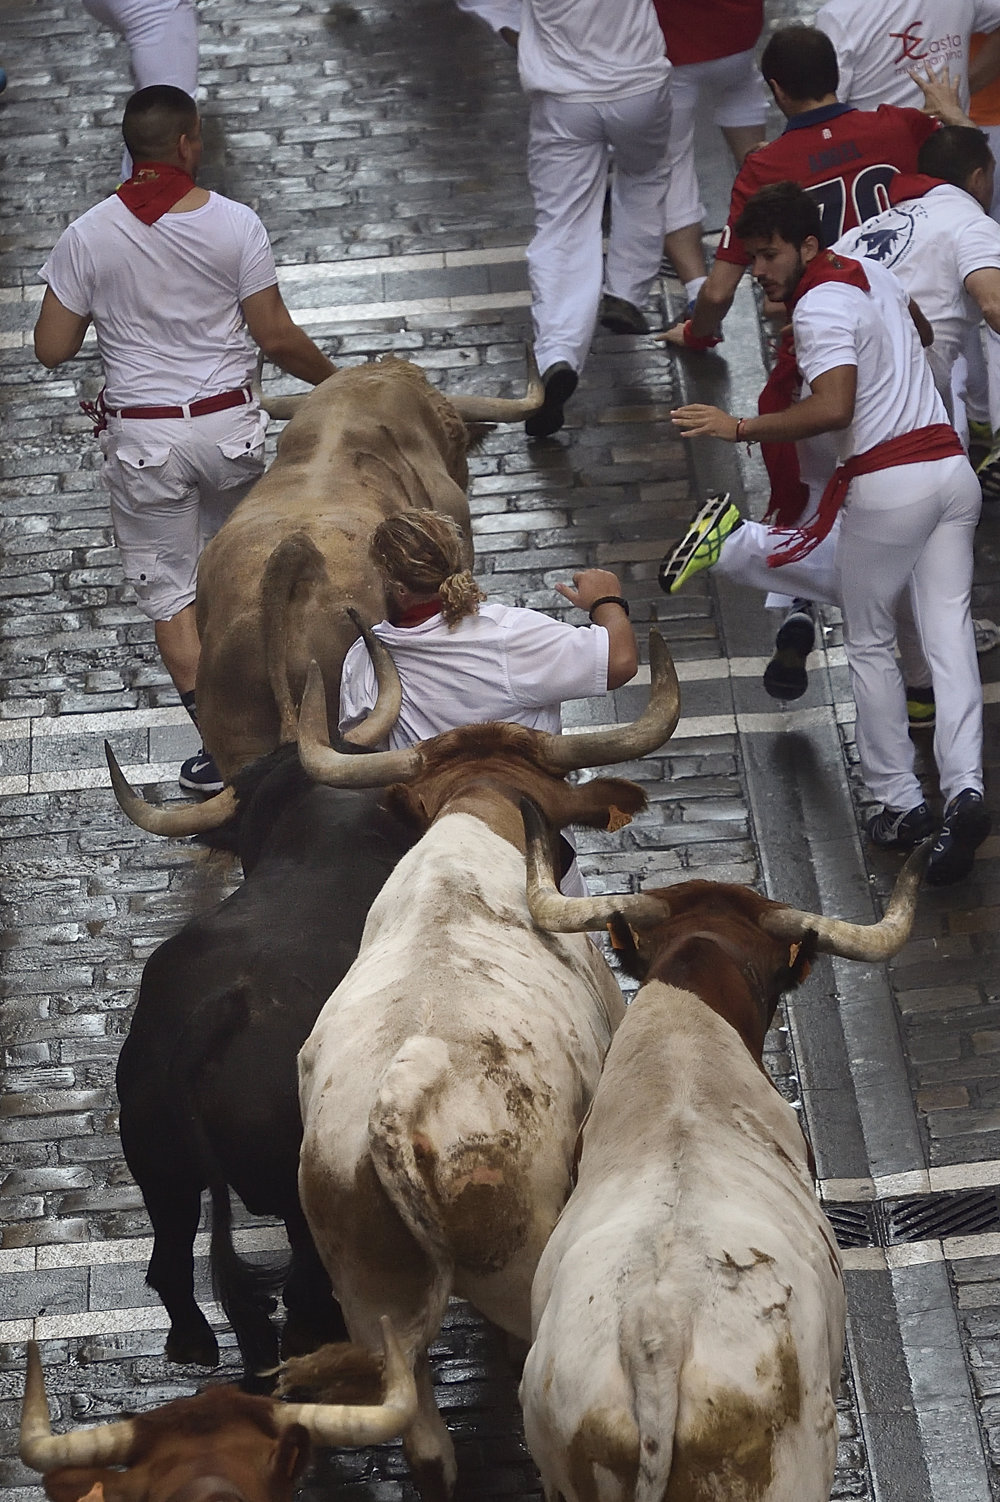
(702, 542)
(988, 474)
(901, 828)
(785, 676)
(966, 825)
(560, 381)
(920, 708)
(199, 774)
(987, 635)
(621, 316)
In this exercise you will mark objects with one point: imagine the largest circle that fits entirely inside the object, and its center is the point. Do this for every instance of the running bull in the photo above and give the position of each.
(688, 1312)
(445, 1080)
(274, 582)
(206, 1077)
(221, 1444)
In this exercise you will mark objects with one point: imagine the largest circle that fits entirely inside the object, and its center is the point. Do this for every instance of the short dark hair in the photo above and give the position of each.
(155, 119)
(782, 209)
(953, 153)
(803, 60)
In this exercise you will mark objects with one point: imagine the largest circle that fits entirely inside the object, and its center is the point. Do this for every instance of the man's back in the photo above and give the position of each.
(877, 43)
(845, 158)
(165, 297)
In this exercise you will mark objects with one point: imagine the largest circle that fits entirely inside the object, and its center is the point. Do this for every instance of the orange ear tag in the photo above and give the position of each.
(617, 820)
(96, 1493)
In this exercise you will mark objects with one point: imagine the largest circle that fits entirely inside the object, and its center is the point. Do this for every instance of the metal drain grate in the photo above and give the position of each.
(919, 1217)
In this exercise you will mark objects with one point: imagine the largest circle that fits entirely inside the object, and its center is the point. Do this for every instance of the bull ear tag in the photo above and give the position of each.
(800, 972)
(616, 819)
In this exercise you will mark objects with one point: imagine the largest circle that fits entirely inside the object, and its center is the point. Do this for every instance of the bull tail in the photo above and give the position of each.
(653, 1351)
(404, 1157)
(295, 564)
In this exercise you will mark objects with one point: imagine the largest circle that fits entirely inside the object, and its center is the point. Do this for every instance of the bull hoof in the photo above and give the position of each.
(192, 1347)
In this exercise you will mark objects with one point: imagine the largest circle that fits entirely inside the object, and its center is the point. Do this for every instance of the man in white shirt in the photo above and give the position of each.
(878, 44)
(464, 661)
(597, 77)
(911, 502)
(178, 283)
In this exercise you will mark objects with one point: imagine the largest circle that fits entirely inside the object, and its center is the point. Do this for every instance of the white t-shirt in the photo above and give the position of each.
(588, 50)
(877, 41)
(165, 297)
(836, 324)
(501, 664)
(932, 244)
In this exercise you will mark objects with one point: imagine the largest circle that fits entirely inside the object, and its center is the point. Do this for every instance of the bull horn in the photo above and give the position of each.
(281, 408)
(109, 1444)
(190, 818)
(657, 723)
(334, 767)
(384, 713)
(357, 1424)
(555, 913)
(859, 941)
(503, 409)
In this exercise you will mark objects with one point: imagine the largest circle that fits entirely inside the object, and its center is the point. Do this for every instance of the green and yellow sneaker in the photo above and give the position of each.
(702, 542)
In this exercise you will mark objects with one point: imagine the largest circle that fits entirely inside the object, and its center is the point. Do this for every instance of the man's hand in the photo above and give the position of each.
(589, 585)
(673, 335)
(940, 93)
(699, 421)
(682, 336)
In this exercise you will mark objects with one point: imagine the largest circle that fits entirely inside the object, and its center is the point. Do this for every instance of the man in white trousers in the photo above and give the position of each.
(911, 502)
(598, 79)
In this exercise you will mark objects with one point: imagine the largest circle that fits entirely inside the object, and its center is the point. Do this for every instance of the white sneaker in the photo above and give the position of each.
(987, 635)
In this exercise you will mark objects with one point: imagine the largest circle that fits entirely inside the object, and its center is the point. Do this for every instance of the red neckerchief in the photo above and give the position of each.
(154, 188)
(937, 441)
(913, 185)
(788, 492)
(417, 614)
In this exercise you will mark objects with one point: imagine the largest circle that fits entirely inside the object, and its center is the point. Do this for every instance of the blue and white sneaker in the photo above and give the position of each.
(199, 774)
(966, 825)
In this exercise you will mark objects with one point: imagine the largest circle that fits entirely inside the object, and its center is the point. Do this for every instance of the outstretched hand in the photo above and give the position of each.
(940, 91)
(700, 421)
(673, 335)
(589, 585)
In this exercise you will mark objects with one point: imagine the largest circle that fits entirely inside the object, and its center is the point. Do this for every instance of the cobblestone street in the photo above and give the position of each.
(383, 144)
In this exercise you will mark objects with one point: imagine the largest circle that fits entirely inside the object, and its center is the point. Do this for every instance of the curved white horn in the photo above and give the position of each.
(357, 1424)
(190, 818)
(384, 713)
(655, 726)
(109, 1444)
(555, 913)
(503, 409)
(859, 941)
(335, 768)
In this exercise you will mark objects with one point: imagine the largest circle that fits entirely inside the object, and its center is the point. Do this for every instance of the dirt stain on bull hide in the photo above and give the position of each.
(482, 1201)
(730, 1452)
(607, 1440)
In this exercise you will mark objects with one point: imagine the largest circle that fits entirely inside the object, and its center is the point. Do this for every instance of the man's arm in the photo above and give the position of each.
(272, 328)
(920, 323)
(829, 408)
(714, 300)
(984, 287)
(593, 584)
(58, 332)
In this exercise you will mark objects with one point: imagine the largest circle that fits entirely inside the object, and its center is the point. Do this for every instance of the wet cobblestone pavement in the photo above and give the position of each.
(383, 145)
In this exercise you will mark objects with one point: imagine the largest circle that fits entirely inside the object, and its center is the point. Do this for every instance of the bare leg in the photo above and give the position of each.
(177, 640)
(743, 138)
(683, 246)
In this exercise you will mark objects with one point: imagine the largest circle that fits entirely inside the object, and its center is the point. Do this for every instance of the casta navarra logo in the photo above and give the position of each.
(913, 48)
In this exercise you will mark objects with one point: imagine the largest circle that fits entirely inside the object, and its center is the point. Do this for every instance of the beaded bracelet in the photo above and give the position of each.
(608, 600)
(741, 436)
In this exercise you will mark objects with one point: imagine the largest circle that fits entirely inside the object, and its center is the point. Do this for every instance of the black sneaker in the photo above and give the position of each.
(785, 676)
(199, 774)
(920, 708)
(966, 825)
(621, 316)
(560, 381)
(901, 828)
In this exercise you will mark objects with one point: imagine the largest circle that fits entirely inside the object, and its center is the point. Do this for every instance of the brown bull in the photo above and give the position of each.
(273, 584)
(222, 1444)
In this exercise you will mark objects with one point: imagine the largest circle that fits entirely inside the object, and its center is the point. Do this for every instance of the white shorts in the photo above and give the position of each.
(173, 482)
(740, 99)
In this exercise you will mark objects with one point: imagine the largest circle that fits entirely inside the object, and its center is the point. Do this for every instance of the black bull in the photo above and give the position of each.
(207, 1075)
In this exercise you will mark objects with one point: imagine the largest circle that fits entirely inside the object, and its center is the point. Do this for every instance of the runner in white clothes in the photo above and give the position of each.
(878, 44)
(162, 41)
(464, 662)
(912, 503)
(597, 77)
(178, 283)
